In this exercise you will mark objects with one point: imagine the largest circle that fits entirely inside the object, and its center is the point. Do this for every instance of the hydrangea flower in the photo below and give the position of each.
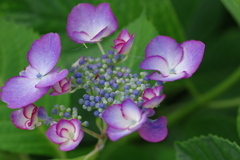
(152, 97)
(38, 77)
(124, 42)
(26, 117)
(125, 118)
(174, 61)
(61, 87)
(89, 24)
(66, 133)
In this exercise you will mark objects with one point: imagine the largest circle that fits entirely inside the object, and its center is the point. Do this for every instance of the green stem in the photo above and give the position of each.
(182, 112)
(100, 47)
(91, 133)
(233, 102)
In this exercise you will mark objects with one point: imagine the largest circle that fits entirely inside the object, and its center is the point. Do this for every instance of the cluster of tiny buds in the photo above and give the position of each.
(68, 113)
(105, 84)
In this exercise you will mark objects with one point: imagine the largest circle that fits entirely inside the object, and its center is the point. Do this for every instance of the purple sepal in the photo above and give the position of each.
(89, 24)
(26, 117)
(174, 61)
(42, 113)
(66, 133)
(154, 130)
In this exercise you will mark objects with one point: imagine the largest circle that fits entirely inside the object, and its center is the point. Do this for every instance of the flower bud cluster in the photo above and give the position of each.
(105, 84)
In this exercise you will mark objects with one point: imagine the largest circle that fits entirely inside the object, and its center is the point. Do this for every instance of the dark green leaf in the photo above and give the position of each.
(233, 7)
(207, 148)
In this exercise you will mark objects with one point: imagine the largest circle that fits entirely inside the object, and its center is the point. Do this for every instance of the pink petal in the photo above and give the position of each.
(148, 93)
(167, 48)
(115, 134)
(20, 91)
(155, 63)
(124, 35)
(154, 130)
(118, 47)
(65, 124)
(18, 119)
(91, 20)
(52, 78)
(126, 47)
(154, 102)
(53, 136)
(78, 131)
(71, 144)
(44, 53)
(113, 117)
(130, 110)
(171, 77)
(193, 54)
(29, 72)
(117, 41)
(157, 90)
(28, 110)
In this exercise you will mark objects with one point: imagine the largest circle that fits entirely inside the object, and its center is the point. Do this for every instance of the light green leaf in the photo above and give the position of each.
(207, 148)
(15, 41)
(233, 7)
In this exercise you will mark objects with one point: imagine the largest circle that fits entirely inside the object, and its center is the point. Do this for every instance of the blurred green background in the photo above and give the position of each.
(197, 106)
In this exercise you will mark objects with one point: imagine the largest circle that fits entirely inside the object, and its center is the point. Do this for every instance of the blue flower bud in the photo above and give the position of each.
(87, 103)
(54, 111)
(119, 74)
(116, 56)
(135, 75)
(126, 87)
(99, 65)
(72, 69)
(81, 61)
(135, 92)
(86, 97)
(104, 56)
(160, 83)
(110, 52)
(78, 80)
(92, 104)
(102, 92)
(102, 105)
(112, 94)
(96, 113)
(106, 95)
(80, 101)
(97, 99)
(78, 75)
(115, 86)
(101, 82)
(66, 114)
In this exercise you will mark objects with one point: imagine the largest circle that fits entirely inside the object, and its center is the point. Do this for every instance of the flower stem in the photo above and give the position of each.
(125, 58)
(91, 133)
(182, 112)
(100, 47)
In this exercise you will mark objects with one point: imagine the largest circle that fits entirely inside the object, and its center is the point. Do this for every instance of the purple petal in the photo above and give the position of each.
(154, 102)
(193, 54)
(130, 110)
(91, 20)
(155, 63)
(171, 77)
(167, 48)
(154, 130)
(18, 119)
(44, 53)
(124, 35)
(52, 78)
(53, 136)
(29, 72)
(65, 124)
(20, 91)
(115, 134)
(71, 144)
(113, 117)
(126, 47)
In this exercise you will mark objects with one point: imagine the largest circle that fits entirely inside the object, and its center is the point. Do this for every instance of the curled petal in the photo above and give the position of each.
(20, 91)
(65, 124)
(53, 136)
(115, 134)
(87, 23)
(44, 53)
(130, 110)
(61, 87)
(71, 144)
(154, 130)
(154, 102)
(148, 94)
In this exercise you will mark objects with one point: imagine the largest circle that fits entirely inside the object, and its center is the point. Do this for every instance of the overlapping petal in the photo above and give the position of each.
(61, 87)
(152, 97)
(89, 24)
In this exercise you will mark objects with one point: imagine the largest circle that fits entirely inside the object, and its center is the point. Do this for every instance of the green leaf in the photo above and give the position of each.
(207, 148)
(15, 41)
(233, 7)
(238, 121)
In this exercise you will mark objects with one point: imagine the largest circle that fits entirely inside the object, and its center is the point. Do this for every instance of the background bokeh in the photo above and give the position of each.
(192, 106)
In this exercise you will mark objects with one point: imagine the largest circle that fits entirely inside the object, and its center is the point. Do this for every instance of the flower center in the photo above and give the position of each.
(172, 71)
(38, 75)
(71, 135)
